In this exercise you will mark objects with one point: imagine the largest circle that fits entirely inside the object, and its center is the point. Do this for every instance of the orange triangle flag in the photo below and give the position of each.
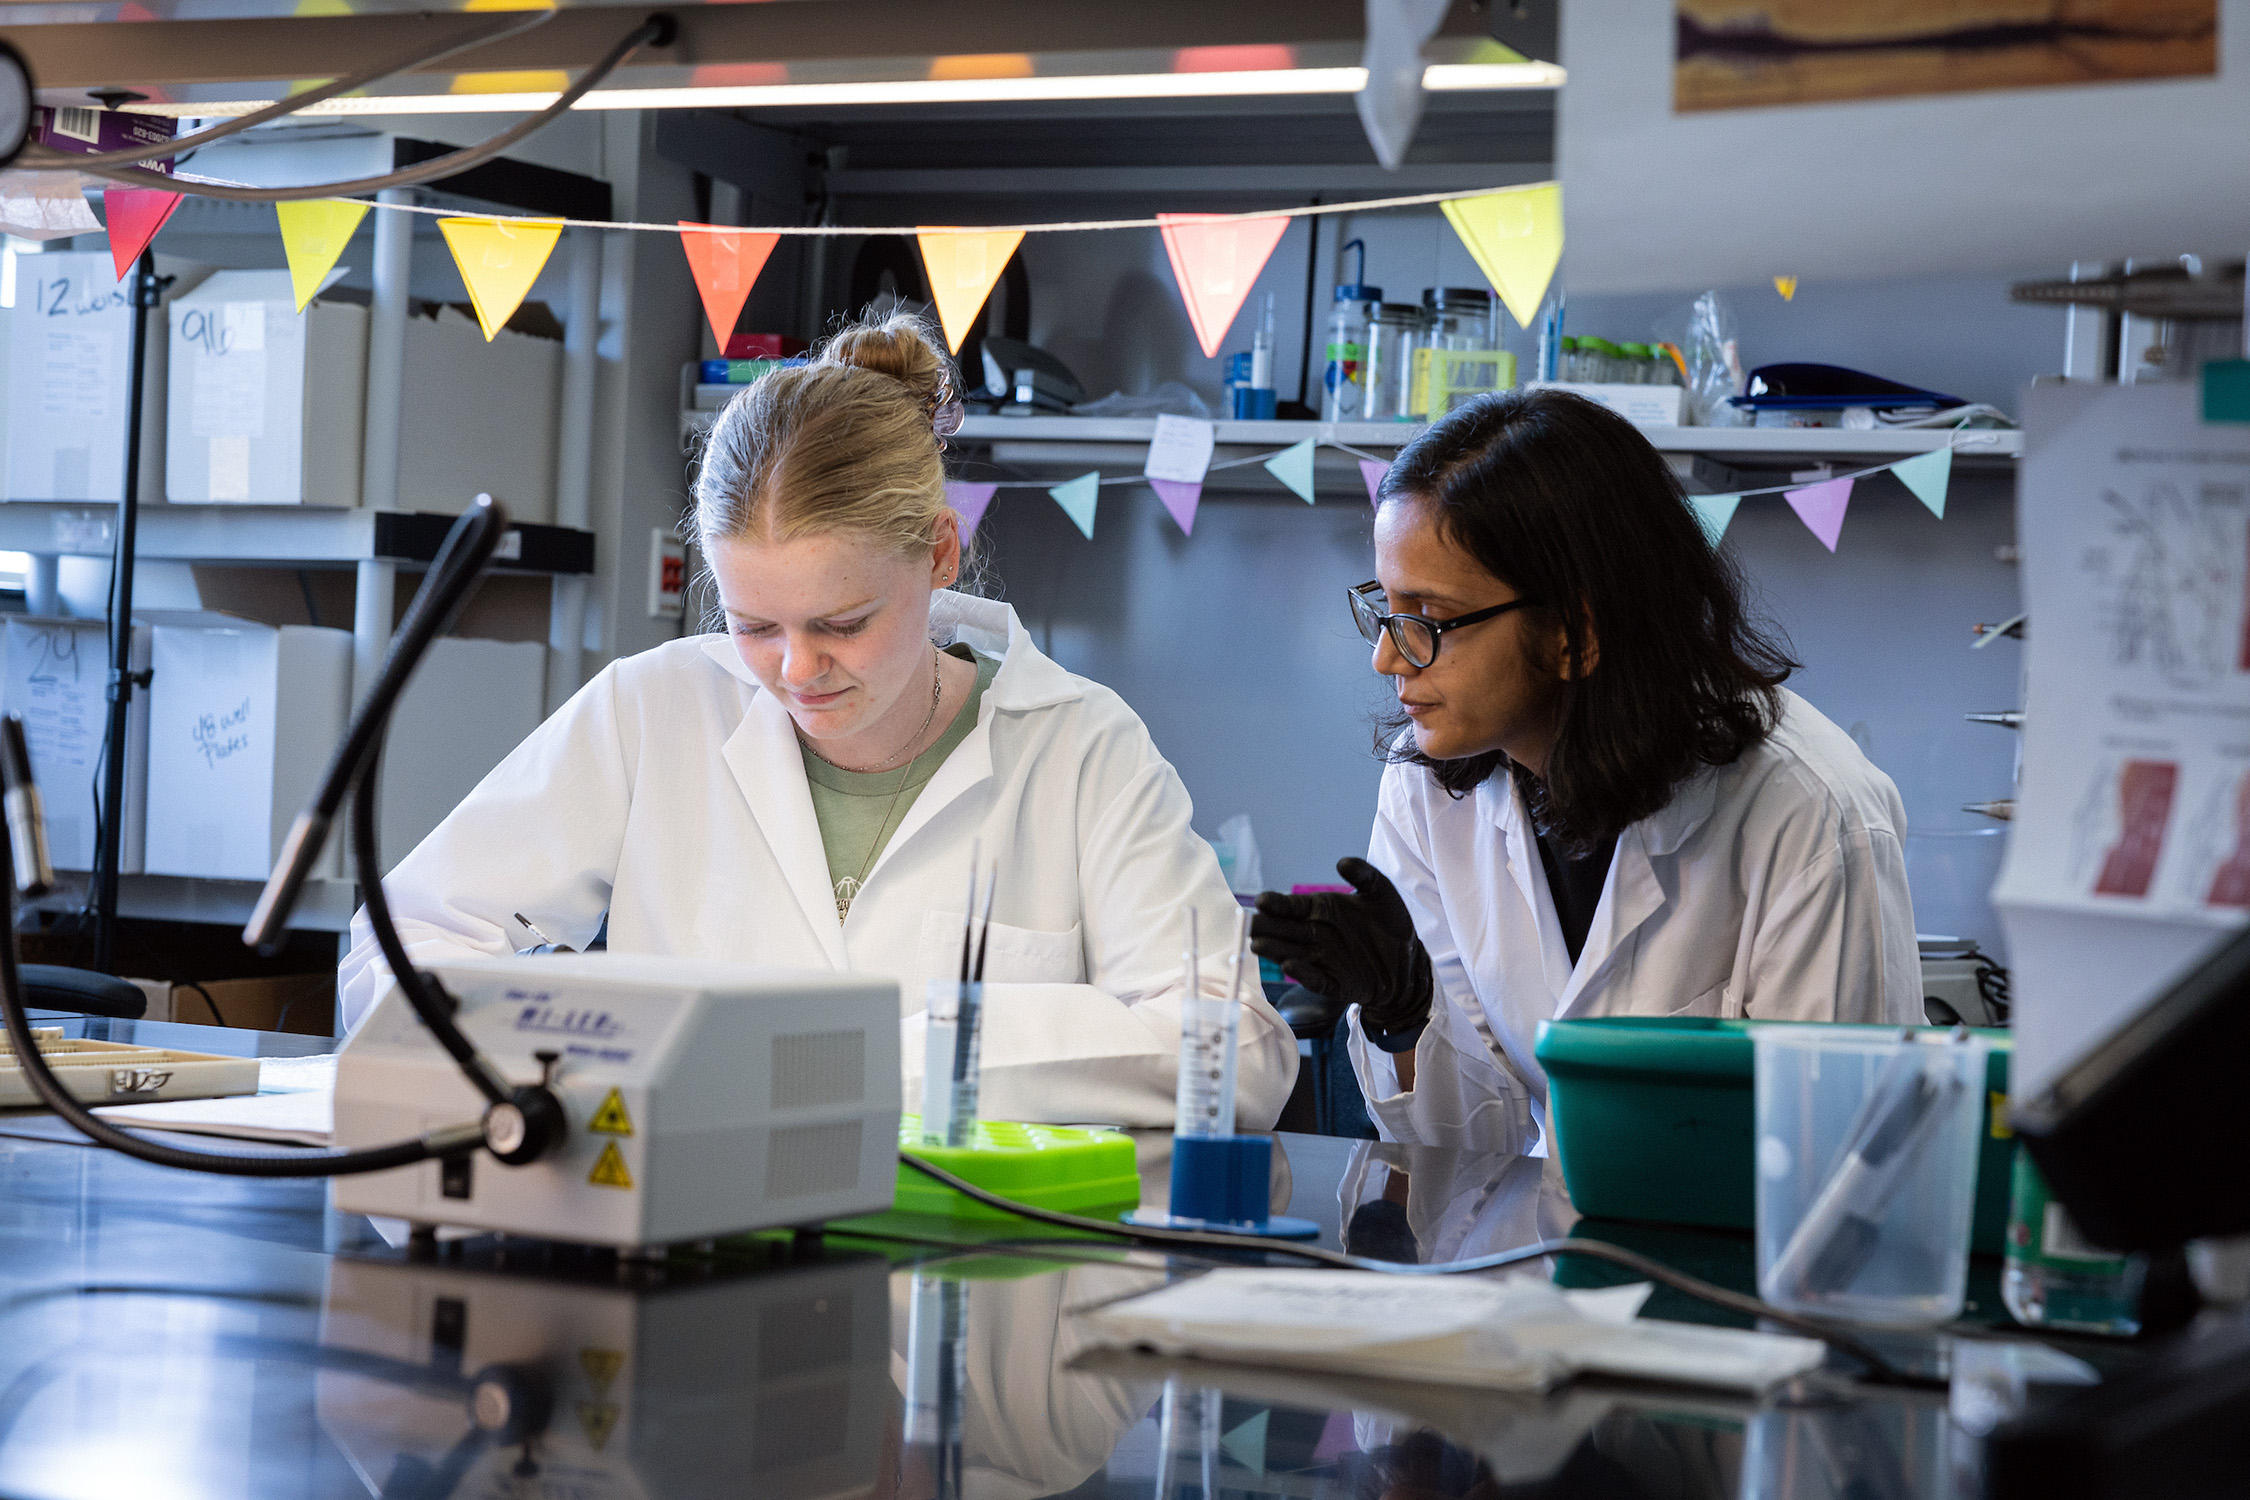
(499, 259)
(962, 265)
(1216, 260)
(134, 215)
(726, 266)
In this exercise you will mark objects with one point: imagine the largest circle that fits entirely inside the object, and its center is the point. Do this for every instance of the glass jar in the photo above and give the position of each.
(1457, 319)
(1392, 334)
(2052, 1278)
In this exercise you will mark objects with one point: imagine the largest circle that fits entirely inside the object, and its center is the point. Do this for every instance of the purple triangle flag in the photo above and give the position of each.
(1373, 473)
(1821, 508)
(971, 501)
(1181, 499)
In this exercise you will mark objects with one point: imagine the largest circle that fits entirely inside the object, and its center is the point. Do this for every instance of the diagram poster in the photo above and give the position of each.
(2130, 848)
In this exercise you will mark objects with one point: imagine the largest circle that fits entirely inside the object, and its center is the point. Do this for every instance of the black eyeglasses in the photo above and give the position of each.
(1415, 635)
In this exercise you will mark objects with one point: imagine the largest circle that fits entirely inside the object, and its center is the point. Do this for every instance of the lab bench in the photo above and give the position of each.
(240, 1337)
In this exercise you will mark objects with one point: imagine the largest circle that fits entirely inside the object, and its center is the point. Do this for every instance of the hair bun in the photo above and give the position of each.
(902, 347)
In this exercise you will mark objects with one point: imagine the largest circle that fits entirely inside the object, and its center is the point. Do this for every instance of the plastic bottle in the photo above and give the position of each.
(1255, 402)
(1343, 386)
(2052, 1278)
(1391, 335)
(1639, 367)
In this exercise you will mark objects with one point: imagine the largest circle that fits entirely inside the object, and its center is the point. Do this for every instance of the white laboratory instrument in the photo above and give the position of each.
(702, 1098)
(472, 1378)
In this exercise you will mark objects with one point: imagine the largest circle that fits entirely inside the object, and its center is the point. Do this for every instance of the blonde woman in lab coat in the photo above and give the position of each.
(803, 788)
(1602, 803)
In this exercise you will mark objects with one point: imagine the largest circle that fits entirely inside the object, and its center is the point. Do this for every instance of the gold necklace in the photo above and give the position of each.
(849, 887)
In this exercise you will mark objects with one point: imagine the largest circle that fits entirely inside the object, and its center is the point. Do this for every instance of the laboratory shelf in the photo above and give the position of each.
(277, 535)
(326, 905)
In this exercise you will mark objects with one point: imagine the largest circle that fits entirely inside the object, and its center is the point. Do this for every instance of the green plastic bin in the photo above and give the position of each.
(1059, 1167)
(1652, 1120)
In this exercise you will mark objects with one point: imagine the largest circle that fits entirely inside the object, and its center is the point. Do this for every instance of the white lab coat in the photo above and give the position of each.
(670, 792)
(1773, 888)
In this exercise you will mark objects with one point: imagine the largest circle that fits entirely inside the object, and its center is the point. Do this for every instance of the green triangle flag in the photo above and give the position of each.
(1293, 467)
(1926, 474)
(1712, 513)
(1246, 1445)
(1078, 497)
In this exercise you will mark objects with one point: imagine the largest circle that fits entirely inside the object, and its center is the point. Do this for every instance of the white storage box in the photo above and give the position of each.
(55, 674)
(480, 418)
(1641, 405)
(242, 720)
(69, 348)
(468, 704)
(267, 405)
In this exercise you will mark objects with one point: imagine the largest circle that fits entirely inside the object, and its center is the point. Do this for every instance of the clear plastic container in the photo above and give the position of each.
(2053, 1278)
(1867, 1163)
(1343, 388)
(1458, 320)
(1391, 336)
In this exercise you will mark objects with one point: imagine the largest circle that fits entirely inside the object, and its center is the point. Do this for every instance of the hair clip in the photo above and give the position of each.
(946, 420)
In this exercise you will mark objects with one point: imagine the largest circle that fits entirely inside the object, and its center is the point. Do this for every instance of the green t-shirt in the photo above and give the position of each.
(860, 811)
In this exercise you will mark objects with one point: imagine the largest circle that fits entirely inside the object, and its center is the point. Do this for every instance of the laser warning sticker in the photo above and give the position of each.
(597, 1419)
(601, 1367)
(611, 1118)
(610, 1170)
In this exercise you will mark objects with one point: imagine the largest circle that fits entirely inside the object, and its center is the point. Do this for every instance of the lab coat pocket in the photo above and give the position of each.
(1712, 1002)
(1012, 955)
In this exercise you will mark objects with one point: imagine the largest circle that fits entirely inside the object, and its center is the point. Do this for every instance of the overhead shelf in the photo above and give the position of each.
(277, 535)
(324, 905)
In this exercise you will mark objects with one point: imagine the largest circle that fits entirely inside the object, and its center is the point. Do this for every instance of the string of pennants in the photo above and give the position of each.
(1515, 235)
(1179, 458)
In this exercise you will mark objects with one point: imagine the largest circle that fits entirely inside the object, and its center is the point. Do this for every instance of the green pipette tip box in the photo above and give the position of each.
(1060, 1167)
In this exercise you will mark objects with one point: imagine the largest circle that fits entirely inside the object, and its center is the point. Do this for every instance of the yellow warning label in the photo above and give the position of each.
(1997, 1103)
(597, 1419)
(609, 1169)
(611, 1118)
(601, 1367)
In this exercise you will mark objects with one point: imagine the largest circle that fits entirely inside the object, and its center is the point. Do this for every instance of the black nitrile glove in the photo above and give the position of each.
(1359, 949)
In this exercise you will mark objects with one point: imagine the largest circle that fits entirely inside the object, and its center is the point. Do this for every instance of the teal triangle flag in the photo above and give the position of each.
(1246, 1445)
(1078, 497)
(1293, 467)
(1712, 513)
(1926, 475)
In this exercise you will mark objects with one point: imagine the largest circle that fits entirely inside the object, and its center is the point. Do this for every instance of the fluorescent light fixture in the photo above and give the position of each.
(1439, 77)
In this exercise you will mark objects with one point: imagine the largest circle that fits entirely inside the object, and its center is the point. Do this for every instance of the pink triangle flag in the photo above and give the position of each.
(969, 501)
(1373, 473)
(1821, 508)
(134, 215)
(1216, 259)
(1180, 498)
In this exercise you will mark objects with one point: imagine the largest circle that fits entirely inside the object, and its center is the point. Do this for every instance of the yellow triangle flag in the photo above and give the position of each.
(1787, 286)
(962, 265)
(500, 259)
(313, 234)
(1516, 237)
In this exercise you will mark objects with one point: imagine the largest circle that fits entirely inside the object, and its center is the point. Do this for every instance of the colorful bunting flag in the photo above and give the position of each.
(1293, 467)
(969, 501)
(962, 265)
(499, 259)
(134, 215)
(1180, 497)
(45, 206)
(313, 235)
(725, 267)
(1927, 475)
(1821, 508)
(1713, 512)
(1787, 286)
(1516, 238)
(1373, 473)
(1078, 498)
(1216, 260)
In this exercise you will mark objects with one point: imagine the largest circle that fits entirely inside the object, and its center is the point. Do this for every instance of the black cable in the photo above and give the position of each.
(312, 610)
(658, 29)
(56, 1097)
(1640, 1265)
(189, 984)
(405, 62)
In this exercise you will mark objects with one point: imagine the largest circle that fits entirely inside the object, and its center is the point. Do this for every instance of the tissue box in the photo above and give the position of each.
(55, 676)
(242, 721)
(266, 406)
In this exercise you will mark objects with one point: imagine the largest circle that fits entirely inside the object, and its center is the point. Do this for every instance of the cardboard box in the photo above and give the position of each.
(480, 418)
(242, 721)
(302, 1003)
(468, 704)
(267, 406)
(70, 345)
(54, 673)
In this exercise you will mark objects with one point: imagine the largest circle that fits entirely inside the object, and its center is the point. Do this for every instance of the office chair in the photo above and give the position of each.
(83, 991)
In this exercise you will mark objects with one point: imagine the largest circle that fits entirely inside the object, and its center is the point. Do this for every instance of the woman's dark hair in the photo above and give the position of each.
(1566, 503)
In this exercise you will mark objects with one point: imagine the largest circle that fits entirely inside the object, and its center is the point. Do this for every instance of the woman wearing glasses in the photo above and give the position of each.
(1600, 799)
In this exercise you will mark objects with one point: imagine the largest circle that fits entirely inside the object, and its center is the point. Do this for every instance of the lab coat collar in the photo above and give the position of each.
(1027, 679)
